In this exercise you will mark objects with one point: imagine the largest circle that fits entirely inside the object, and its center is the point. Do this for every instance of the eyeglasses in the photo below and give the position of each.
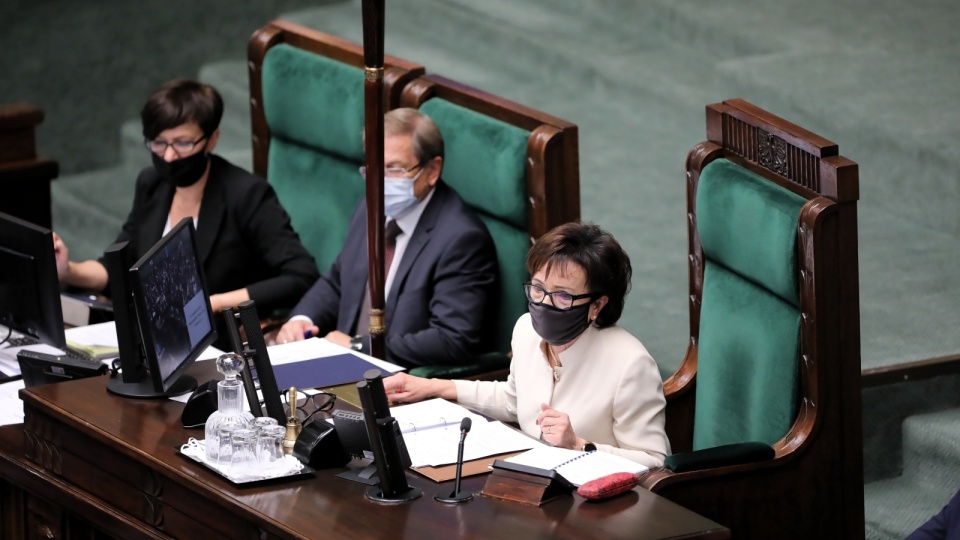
(393, 172)
(560, 299)
(180, 147)
(308, 405)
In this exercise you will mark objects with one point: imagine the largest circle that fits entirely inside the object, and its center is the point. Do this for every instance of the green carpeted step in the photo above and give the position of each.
(89, 208)
(931, 475)
(230, 78)
(894, 508)
(931, 448)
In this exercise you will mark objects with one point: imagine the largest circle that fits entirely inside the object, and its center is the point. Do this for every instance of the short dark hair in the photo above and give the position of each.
(605, 263)
(178, 102)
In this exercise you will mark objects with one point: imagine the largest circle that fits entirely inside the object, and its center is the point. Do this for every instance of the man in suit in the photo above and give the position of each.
(441, 274)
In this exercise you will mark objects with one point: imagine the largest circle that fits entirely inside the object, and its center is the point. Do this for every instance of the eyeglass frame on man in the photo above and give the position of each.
(528, 286)
(394, 172)
(173, 144)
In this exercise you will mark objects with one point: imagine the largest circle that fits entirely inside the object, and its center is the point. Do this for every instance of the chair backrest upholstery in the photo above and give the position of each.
(517, 168)
(307, 104)
(750, 316)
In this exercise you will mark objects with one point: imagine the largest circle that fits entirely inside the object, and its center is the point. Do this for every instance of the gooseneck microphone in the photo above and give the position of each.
(457, 497)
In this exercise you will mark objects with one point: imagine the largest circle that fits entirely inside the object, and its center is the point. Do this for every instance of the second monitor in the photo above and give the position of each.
(163, 315)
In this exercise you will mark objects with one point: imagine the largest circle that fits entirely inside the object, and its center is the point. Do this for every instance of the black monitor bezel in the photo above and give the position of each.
(24, 238)
(161, 384)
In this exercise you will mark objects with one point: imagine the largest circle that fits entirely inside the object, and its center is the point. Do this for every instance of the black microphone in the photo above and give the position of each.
(457, 497)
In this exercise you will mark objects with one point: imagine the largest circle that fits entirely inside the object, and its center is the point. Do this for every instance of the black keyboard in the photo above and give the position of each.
(71, 352)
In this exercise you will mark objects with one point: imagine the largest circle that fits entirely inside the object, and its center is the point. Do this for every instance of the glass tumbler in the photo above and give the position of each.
(270, 448)
(244, 458)
(224, 442)
(262, 421)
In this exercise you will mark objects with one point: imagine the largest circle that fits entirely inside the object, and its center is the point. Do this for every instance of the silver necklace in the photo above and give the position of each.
(555, 364)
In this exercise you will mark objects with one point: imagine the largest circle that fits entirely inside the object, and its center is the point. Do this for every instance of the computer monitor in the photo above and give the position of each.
(29, 288)
(165, 321)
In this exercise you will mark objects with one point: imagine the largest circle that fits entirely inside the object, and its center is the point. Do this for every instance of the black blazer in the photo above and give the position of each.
(439, 297)
(244, 237)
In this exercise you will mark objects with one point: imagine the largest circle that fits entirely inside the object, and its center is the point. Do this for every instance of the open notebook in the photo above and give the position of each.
(577, 467)
(431, 432)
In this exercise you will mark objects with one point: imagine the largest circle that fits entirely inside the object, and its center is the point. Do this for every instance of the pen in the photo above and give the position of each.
(307, 334)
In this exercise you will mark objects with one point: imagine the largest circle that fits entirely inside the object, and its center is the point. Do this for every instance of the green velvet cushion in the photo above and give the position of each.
(485, 363)
(512, 246)
(720, 456)
(747, 362)
(314, 107)
(319, 191)
(485, 160)
(314, 100)
(749, 225)
(486, 164)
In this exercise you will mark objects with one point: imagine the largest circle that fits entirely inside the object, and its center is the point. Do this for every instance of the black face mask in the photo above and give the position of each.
(557, 326)
(181, 172)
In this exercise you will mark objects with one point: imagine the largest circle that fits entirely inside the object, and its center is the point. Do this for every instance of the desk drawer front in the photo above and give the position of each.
(129, 485)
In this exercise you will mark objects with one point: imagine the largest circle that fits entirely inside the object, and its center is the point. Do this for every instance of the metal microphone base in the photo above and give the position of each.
(376, 494)
(453, 498)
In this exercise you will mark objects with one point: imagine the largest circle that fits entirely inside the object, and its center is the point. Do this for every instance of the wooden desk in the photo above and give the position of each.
(86, 461)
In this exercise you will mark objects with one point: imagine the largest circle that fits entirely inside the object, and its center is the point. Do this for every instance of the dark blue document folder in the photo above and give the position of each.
(322, 372)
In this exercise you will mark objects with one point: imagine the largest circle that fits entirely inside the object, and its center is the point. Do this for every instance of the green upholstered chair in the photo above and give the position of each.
(306, 99)
(518, 168)
(766, 404)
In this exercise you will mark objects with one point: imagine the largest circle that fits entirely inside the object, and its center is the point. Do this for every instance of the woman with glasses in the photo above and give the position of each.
(576, 380)
(244, 238)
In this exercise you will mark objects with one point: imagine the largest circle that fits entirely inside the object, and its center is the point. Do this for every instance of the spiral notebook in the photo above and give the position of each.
(577, 467)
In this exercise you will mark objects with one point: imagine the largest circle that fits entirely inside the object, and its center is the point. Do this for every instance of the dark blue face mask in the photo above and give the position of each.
(557, 326)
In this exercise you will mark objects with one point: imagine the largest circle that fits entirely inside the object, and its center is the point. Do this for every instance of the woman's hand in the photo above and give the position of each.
(556, 429)
(62, 255)
(403, 388)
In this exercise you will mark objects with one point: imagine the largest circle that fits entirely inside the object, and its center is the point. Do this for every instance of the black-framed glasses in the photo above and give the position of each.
(180, 147)
(394, 172)
(309, 404)
(560, 299)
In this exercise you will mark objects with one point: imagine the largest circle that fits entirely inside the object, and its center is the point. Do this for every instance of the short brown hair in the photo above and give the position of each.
(178, 102)
(605, 263)
(427, 140)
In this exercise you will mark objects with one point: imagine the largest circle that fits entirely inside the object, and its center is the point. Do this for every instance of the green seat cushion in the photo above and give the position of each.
(512, 246)
(749, 343)
(486, 164)
(320, 192)
(314, 107)
(719, 456)
(485, 160)
(747, 369)
(314, 100)
(749, 225)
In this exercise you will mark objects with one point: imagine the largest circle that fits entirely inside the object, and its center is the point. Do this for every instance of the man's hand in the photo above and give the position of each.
(339, 338)
(296, 330)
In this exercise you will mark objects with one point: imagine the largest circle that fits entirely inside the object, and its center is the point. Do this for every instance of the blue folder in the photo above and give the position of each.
(322, 372)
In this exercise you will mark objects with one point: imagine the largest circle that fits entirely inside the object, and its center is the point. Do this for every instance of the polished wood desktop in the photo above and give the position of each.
(89, 464)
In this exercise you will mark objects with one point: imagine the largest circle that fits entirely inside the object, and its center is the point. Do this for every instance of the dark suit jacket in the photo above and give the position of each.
(439, 296)
(244, 237)
(943, 526)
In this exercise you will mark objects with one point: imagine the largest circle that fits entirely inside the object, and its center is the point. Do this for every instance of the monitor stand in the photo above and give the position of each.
(143, 389)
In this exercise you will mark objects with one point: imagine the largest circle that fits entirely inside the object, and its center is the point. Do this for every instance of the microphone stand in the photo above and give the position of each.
(457, 497)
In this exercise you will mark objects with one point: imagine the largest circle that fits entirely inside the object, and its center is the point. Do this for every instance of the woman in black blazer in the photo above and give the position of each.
(246, 245)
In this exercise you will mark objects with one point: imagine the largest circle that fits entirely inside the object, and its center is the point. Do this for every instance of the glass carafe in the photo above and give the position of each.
(230, 410)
